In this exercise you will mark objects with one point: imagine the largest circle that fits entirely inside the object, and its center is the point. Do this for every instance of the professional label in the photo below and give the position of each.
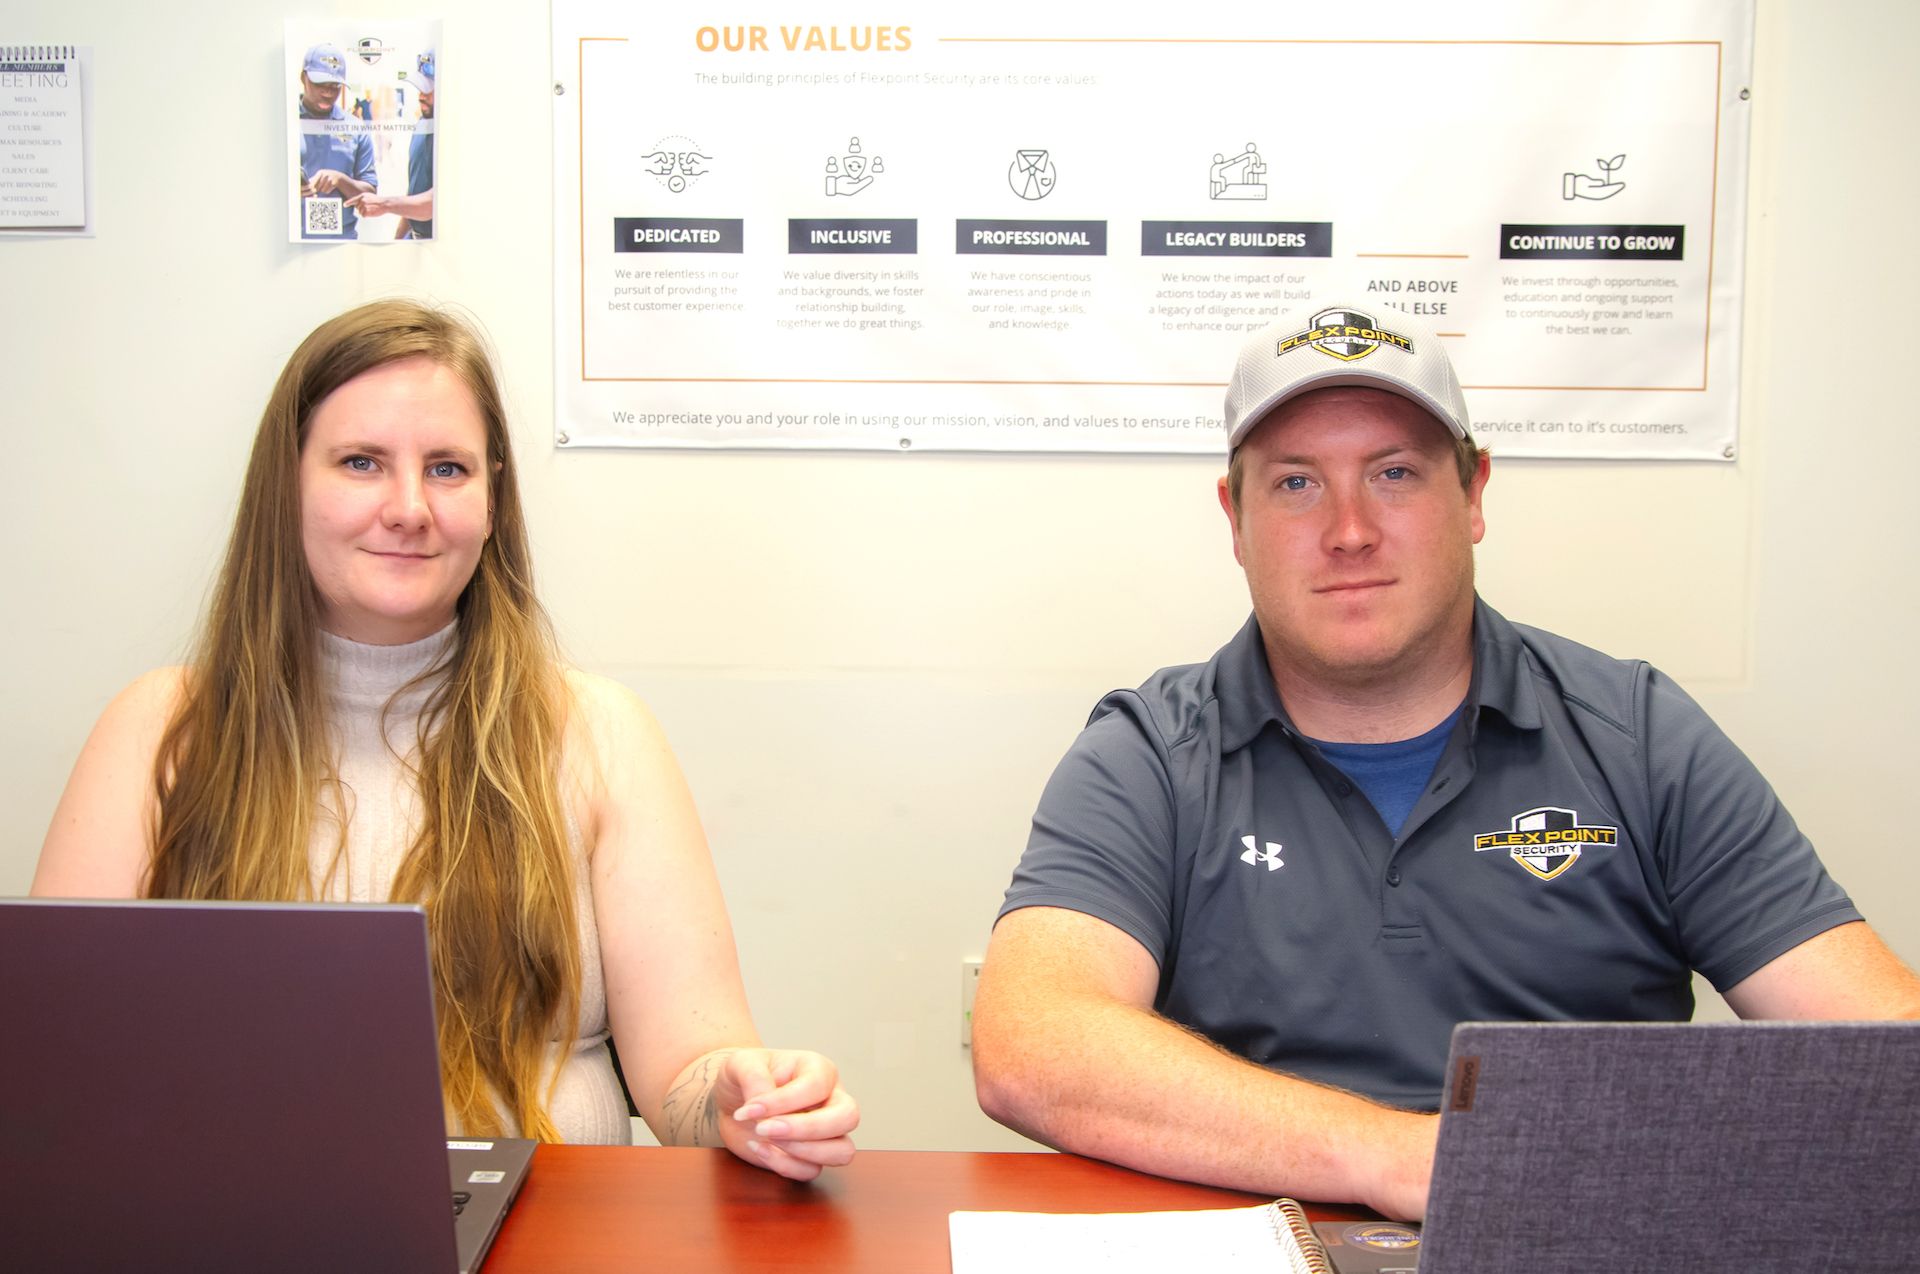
(1031, 238)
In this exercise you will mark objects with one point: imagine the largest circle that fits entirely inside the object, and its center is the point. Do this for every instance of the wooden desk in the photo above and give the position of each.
(663, 1211)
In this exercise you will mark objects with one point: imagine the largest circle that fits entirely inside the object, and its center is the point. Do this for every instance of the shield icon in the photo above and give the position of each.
(369, 50)
(855, 166)
(1545, 861)
(1345, 345)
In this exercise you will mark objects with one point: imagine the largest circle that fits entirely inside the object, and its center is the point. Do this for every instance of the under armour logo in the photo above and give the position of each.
(1271, 858)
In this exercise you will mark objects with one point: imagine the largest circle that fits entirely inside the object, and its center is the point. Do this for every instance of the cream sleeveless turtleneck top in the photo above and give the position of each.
(383, 816)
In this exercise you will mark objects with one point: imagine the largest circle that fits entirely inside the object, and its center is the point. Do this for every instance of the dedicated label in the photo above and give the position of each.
(678, 234)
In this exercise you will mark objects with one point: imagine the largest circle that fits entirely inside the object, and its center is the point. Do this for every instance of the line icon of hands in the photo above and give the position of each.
(673, 165)
(848, 184)
(1582, 186)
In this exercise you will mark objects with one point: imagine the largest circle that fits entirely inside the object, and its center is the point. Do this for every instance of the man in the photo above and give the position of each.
(416, 206)
(1259, 892)
(336, 162)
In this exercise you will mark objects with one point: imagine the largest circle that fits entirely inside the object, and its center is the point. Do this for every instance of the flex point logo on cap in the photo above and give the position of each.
(1343, 334)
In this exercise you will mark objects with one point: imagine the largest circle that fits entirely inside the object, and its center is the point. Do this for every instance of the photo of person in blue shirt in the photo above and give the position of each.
(336, 160)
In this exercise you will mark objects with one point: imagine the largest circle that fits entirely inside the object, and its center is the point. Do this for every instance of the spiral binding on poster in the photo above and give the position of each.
(38, 52)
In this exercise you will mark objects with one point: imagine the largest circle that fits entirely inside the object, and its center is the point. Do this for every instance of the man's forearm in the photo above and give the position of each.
(1119, 1083)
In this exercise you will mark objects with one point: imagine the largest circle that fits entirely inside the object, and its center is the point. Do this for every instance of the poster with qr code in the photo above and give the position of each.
(361, 127)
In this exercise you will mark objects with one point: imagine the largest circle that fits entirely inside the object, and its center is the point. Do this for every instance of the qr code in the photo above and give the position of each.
(323, 214)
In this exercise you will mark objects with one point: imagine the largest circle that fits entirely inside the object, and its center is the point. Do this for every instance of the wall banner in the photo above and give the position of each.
(996, 227)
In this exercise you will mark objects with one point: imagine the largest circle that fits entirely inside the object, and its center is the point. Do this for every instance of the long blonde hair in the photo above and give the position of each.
(246, 758)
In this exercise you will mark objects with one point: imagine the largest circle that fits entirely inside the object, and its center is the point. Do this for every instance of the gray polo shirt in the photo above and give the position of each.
(1588, 838)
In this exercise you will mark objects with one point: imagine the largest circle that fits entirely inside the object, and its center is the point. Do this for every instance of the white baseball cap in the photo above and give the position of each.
(421, 77)
(1329, 344)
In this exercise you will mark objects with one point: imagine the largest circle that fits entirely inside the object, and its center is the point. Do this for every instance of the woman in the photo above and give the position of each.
(375, 710)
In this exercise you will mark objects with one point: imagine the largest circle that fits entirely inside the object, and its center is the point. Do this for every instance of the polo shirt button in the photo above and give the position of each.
(1393, 876)
(1346, 789)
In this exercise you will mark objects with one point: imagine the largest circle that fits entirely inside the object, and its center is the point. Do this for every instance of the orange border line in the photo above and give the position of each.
(1713, 224)
(878, 380)
(1096, 384)
(580, 172)
(1606, 389)
(1179, 39)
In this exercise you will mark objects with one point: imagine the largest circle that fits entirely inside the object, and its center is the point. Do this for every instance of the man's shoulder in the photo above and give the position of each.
(1174, 697)
(1589, 682)
(1180, 703)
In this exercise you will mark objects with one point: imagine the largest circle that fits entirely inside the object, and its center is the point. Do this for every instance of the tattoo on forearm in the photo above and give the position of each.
(689, 1111)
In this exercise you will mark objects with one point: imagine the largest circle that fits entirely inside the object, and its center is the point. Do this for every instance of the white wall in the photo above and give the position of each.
(870, 663)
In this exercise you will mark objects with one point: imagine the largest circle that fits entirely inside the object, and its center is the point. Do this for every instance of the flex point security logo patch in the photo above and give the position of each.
(1343, 334)
(1546, 841)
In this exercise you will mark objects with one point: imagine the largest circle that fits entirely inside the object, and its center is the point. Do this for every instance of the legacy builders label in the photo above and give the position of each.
(1236, 238)
(677, 234)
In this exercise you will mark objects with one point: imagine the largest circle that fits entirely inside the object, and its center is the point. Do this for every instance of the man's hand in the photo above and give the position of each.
(329, 181)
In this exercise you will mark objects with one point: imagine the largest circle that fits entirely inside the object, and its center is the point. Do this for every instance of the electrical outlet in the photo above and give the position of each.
(969, 980)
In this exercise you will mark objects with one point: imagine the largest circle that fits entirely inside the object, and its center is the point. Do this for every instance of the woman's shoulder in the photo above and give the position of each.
(98, 842)
(601, 697)
(131, 727)
(614, 719)
(617, 755)
(147, 703)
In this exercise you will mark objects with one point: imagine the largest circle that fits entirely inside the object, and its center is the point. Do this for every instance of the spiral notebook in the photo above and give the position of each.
(43, 176)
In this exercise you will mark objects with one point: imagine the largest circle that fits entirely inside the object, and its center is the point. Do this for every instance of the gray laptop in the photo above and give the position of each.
(231, 1086)
(1743, 1146)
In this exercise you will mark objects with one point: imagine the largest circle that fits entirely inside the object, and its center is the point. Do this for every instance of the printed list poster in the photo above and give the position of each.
(1000, 228)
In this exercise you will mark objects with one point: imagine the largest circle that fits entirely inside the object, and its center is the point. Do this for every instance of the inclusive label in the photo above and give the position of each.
(678, 234)
(1593, 243)
(1236, 238)
(1031, 238)
(841, 235)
